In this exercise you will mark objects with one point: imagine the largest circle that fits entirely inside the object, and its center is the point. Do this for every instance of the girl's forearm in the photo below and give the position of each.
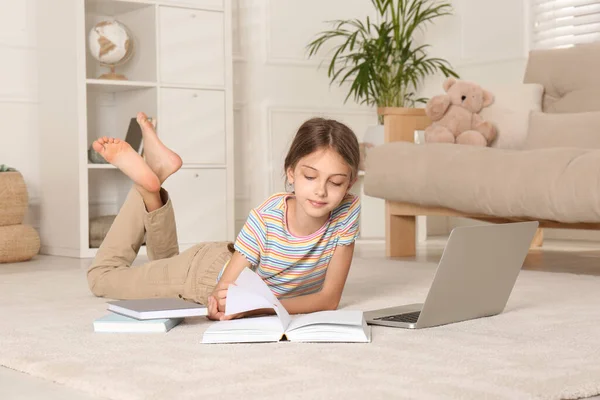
(309, 303)
(234, 268)
(298, 305)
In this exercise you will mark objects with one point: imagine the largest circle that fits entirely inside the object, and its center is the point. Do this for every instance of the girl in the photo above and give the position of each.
(300, 243)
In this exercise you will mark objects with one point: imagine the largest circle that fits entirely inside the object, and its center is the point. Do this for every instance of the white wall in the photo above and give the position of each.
(277, 88)
(486, 41)
(18, 95)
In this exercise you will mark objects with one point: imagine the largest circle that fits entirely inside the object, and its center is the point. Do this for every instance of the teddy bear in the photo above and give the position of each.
(455, 117)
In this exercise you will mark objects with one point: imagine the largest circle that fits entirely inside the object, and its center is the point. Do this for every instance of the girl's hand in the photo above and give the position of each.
(216, 315)
(213, 312)
(220, 295)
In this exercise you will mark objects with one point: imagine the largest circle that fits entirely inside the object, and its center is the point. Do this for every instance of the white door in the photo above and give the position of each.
(192, 123)
(200, 203)
(192, 47)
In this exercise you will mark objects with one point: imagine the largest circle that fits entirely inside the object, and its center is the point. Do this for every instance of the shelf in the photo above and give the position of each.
(192, 87)
(203, 166)
(101, 166)
(184, 166)
(102, 85)
(206, 5)
(115, 7)
(118, 7)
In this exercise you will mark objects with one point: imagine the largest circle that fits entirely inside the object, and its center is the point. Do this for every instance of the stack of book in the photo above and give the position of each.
(147, 315)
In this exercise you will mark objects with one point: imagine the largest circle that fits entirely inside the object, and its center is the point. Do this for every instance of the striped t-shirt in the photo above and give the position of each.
(290, 265)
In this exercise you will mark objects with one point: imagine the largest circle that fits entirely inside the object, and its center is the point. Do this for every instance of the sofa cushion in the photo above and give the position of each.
(570, 77)
(559, 184)
(563, 130)
(510, 112)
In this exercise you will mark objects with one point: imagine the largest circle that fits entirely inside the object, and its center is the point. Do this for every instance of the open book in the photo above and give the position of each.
(251, 293)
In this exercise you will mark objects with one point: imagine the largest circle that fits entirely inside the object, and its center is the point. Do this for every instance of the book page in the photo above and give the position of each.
(248, 325)
(240, 299)
(343, 326)
(246, 330)
(336, 317)
(250, 293)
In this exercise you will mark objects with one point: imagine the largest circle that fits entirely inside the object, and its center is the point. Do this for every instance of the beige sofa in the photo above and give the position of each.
(554, 178)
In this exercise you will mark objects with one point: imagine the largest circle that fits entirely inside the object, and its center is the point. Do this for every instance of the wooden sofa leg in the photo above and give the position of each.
(538, 238)
(400, 240)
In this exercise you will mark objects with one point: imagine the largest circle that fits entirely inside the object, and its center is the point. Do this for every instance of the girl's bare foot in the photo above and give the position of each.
(121, 155)
(163, 161)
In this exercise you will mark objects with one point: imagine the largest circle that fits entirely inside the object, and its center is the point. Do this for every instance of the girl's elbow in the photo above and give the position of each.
(332, 304)
(329, 301)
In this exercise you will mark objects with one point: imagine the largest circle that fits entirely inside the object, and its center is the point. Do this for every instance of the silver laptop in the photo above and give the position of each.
(474, 278)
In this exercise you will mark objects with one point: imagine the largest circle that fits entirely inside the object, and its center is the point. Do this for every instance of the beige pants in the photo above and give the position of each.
(191, 275)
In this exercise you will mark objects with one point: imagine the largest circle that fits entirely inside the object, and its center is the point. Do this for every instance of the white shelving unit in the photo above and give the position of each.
(105, 86)
(180, 73)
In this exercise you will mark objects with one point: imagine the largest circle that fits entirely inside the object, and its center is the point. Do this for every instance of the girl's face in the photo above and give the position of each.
(321, 180)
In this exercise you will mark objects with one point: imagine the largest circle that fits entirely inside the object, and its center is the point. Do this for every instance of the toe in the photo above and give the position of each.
(97, 146)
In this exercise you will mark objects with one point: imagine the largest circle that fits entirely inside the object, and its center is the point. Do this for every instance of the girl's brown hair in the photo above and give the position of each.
(320, 133)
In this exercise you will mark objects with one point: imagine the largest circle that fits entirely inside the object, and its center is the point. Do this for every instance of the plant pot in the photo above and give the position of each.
(403, 124)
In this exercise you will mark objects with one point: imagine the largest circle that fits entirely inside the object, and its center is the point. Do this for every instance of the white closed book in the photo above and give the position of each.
(157, 308)
(251, 293)
(121, 323)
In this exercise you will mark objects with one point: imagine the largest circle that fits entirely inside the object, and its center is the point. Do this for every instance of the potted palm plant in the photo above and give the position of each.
(382, 62)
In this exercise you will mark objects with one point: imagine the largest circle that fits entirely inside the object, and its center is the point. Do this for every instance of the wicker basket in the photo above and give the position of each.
(18, 243)
(13, 198)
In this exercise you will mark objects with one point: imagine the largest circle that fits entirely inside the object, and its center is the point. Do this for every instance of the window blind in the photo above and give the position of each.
(564, 23)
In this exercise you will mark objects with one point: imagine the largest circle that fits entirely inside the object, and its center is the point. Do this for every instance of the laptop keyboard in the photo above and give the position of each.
(410, 318)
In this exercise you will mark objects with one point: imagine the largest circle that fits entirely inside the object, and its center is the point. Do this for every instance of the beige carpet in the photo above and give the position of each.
(545, 345)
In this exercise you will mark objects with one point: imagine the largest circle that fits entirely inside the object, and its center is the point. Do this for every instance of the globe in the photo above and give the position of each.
(111, 44)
